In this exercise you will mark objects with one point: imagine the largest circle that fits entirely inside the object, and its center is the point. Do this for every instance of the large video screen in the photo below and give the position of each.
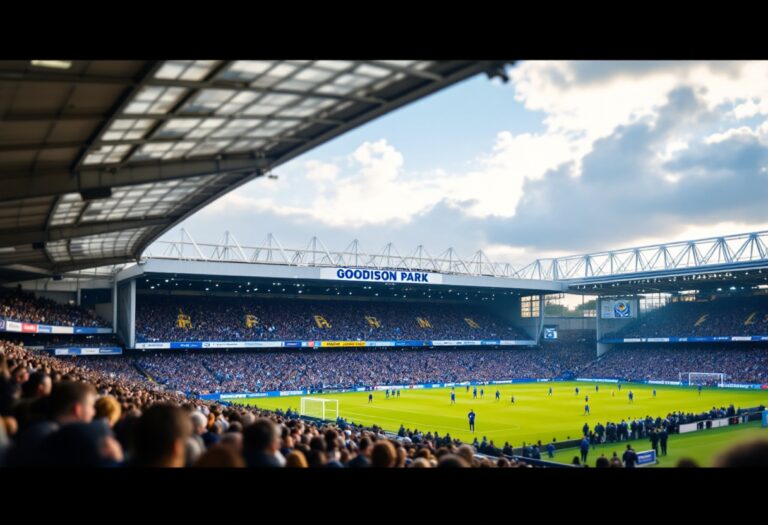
(618, 309)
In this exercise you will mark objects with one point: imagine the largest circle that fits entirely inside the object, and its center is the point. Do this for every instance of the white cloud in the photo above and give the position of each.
(734, 133)
(692, 232)
(318, 171)
(750, 108)
(593, 98)
(497, 186)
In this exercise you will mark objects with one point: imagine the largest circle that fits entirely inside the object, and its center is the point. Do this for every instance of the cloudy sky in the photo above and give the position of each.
(568, 157)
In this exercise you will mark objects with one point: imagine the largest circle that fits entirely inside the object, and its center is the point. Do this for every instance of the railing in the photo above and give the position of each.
(700, 253)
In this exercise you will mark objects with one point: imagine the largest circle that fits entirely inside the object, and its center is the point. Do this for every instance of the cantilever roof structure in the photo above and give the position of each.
(99, 158)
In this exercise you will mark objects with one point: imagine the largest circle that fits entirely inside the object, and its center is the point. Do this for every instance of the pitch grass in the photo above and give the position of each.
(534, 416)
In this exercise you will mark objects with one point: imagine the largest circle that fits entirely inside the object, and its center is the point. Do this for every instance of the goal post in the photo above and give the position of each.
(319, 408)
(703, 378)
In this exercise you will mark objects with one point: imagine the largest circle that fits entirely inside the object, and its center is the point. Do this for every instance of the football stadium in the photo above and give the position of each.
(126, 341)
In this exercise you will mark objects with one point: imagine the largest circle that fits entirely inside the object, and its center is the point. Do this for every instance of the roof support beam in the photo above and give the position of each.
(30, 185)
(57, 233)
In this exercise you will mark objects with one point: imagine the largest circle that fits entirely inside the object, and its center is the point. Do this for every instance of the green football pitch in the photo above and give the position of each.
(537, 416)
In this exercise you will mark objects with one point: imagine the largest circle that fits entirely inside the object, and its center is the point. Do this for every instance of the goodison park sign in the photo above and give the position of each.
(380, 276)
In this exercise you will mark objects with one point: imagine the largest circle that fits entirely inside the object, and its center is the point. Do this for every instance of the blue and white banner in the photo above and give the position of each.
(708, 339)
(748, 386)
(380, 276)
(292, 393)
(457, 343)
(646, 457)
(105, 350)
(34, 328)
(324, 344)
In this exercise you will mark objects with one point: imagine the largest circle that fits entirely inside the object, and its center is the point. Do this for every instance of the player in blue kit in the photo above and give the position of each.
(471, 417)
(453, 398)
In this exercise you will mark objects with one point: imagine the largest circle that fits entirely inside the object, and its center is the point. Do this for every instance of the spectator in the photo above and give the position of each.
(220, 456)
(108, 409)
(161, 435)
(261, 444)
(383, 455)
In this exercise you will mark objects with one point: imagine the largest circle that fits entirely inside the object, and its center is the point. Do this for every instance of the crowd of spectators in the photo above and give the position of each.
(197, 372)
(224, 319)
(739, 363)
(57, 413)
(642, 428)
(17, 305)
(717, 316)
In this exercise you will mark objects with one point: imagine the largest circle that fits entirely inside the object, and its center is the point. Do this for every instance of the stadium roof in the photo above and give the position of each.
(99, 158)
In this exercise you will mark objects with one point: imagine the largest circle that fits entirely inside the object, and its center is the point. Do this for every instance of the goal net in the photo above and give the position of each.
(703, 378)
(319, 408)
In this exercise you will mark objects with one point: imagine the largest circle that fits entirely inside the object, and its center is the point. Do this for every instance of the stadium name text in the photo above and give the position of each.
(380, 276)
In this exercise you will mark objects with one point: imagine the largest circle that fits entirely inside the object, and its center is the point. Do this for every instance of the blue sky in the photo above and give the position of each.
(449, 127)
(568, 157)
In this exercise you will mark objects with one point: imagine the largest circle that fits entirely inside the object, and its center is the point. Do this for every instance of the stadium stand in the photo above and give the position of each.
(16, 305)
(661, 362)
(717, 316)
(254, 372)
(239, 319)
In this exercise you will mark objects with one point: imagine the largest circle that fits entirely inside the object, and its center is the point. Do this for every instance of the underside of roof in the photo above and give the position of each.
(100, 158)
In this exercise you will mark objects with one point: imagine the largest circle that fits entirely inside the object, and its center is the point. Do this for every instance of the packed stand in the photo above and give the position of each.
(720, 316)
(56, 413)
(201, 373)
(16, 305)
(740, 364)
(225, 319)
